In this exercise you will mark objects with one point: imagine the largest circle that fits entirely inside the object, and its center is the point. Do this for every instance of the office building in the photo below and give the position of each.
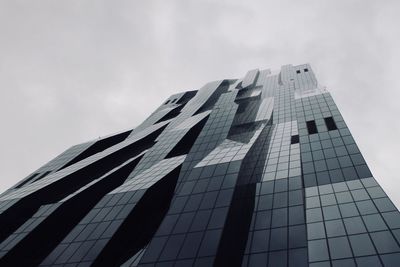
(256, 171)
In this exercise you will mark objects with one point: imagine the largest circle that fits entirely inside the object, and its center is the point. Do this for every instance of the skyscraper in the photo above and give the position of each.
(256, 171)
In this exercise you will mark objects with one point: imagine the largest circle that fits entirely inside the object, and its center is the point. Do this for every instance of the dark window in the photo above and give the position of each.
(330, 124)
(305, 70)
(173, 101)
(167, 102)
(295, 139)
(297, 71)
(311, 127)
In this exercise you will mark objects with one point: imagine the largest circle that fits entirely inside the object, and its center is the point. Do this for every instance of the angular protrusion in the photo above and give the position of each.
(250, 79)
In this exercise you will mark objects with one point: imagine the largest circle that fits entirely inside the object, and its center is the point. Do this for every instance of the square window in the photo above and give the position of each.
(260, 241)
(362, 245)
(280, 200)
(349, 173)
(314, 215)
(384, 242)
(336, 175)
(315, 230)
(313, 202)
(279, 217)
(391, 259)
(318, 250)
(312, 191)
(366, 207)
(294, 139)
(295, 197)
(297, 257)
(320, 165)
(348, 210)
(392, 219)
(332, 163)
(331, 212)
(276, 258)
(359, 194)
(384, 204)
(374, 222)
(376, 192)
(354, 225)
(340, 187)
(209, 245)
(345, 161)
(172, 247)
(327, 200)
(344, 197)
(278, 238)
(334, 228)
(339, 248)
(265, 202)
(363, 171)
(369, 182)
(191, 245)
(281, 185)
(263, 220)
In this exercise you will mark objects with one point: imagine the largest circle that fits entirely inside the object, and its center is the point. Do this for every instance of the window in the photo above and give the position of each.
(361, 245)
(298, 71)
(315, 230)
(339, 248)
(330, 124)
(294, 139)
(354, 225)
(305, 70)
(166, 102)
(318, 250)
(311, 127)
(384, 242)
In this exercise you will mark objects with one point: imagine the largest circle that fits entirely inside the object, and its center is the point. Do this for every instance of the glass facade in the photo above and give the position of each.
(256, 171)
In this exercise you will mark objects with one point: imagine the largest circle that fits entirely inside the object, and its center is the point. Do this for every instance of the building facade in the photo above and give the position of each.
(256, 171)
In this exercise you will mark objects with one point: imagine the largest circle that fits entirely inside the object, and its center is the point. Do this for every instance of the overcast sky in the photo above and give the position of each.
(71, 71)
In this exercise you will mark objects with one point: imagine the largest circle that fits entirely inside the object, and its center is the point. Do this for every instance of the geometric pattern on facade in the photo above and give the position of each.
(256, 171)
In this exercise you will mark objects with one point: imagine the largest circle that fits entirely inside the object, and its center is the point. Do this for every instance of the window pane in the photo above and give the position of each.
(335, 228)
(318, 250)
(361, 245)
(384, 242)
(339, 248)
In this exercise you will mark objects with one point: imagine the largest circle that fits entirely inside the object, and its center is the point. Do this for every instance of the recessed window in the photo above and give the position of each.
(311, 127)
(330, 124)
(305, 70)
(173, 101)
(167, 102)
(297, 71)
(294, 139)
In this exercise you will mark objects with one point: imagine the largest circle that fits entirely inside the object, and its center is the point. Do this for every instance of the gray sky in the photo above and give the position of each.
(71, 71)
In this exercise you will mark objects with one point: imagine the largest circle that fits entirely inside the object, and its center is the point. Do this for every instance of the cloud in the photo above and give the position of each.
(73, 70)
